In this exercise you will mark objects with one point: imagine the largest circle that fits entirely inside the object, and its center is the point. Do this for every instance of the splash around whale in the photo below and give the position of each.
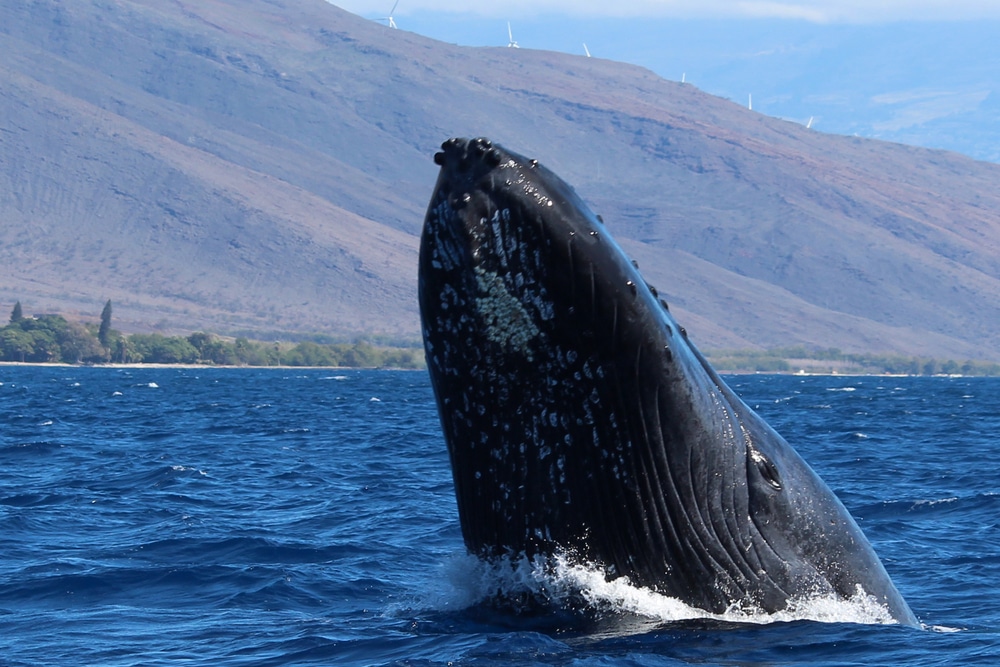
(581, 422)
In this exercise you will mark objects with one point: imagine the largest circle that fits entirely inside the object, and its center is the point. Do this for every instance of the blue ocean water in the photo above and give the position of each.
(294, 517)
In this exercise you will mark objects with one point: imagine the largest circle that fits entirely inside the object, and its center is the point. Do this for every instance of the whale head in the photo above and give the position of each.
(580, 418)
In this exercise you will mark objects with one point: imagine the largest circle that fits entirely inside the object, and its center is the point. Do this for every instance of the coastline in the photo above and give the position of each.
(60, 364)
(799, 373)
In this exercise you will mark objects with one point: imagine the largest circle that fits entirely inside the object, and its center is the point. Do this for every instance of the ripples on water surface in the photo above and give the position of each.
(283, 517)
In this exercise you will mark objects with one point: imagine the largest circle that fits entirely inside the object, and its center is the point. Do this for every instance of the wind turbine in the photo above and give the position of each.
(510, 35)
(586, 50)
(750, 101)
(810, 123)
(388, 19)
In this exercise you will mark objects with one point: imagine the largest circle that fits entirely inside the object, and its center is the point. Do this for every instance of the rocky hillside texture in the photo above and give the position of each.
(265, 165)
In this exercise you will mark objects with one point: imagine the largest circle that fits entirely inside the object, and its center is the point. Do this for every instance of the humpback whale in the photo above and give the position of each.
(580, 419)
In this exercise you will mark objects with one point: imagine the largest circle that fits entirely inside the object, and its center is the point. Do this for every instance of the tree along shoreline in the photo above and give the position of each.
(45, 339)
(832, 361)
(110, 365)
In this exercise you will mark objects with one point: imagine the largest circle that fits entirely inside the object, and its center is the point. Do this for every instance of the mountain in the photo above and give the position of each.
(927, 83)
(265, 165)
(922, 82)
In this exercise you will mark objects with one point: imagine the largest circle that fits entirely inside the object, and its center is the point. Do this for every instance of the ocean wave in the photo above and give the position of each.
(185, 524)
(523, 583)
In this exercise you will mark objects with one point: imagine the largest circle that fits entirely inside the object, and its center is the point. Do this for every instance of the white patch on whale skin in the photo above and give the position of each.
(506, 321)
(443, 255)
(509, 312)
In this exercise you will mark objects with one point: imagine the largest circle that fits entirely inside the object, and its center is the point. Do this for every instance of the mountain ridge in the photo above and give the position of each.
(266, 165)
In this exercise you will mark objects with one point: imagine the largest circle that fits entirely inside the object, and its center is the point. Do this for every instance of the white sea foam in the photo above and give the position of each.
(188, 469)
(934, 501)
(944, 629)
(558, 581)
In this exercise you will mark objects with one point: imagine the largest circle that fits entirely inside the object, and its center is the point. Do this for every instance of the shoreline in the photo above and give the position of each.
(179, 366)
(60, 364)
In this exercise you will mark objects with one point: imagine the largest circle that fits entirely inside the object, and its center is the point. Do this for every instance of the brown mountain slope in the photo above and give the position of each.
(250, 164)
(170, 232)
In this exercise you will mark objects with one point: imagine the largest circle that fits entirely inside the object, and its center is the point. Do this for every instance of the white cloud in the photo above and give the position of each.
(820, 11)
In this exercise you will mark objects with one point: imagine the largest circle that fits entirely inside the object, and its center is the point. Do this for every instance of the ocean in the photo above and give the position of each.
(214, 516)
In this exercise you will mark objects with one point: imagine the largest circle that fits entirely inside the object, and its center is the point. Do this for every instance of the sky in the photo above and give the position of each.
(819, 11)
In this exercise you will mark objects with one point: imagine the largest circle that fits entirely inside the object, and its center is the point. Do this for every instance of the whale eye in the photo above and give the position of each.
(765, 467)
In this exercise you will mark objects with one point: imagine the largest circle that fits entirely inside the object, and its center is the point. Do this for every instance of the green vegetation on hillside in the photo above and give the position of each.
(832, 360)
(52, 338)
